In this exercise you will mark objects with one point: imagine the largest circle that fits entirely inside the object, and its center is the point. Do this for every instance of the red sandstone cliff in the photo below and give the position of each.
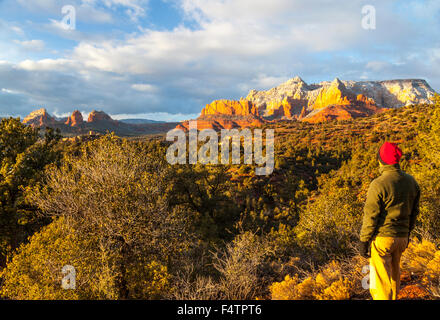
(75, 119)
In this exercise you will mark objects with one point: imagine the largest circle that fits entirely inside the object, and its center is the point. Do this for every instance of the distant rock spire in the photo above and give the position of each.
(75, 119)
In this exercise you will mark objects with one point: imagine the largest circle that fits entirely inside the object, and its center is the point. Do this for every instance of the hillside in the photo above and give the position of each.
(211, 231)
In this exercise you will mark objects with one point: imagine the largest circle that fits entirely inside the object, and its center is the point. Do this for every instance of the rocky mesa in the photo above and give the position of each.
(324, 101)
(39, 118)
(227, 114)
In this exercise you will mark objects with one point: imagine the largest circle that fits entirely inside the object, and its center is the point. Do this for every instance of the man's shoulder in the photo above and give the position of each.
(386, 179)
(379, 180)
(410, 178)
(383, 181)
(377, 183)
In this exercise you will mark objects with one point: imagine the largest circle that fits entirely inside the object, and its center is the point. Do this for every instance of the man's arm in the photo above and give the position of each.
(415, 210)
(371, 212)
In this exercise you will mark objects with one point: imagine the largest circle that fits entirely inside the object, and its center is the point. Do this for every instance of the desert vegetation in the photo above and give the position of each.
(136, 227)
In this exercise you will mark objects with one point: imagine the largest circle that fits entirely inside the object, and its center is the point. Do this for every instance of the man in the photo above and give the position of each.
(390, 213)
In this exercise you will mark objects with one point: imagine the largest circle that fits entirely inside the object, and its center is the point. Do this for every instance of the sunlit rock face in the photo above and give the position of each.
(227, 114)
(39, 118)
(75, 119)
(299, 100)
(98, 116)
(335, 94)
(231, 108)
(324, 101)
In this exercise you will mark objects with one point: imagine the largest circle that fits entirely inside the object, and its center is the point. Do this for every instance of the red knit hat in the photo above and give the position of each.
(389, 153)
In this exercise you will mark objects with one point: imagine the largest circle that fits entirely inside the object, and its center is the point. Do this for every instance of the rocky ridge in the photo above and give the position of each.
(97, 122)
(324, 101)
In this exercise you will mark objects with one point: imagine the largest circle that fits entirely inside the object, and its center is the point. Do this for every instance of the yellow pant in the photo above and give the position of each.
(385, 267)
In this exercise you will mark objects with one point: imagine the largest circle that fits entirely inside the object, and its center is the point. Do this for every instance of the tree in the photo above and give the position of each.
(330, 225)
(208, 194)
(23, 156)
(35, 272)
(116, 192)
(427, 173)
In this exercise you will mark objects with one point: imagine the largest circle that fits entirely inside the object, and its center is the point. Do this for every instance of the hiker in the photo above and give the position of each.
(390, 213)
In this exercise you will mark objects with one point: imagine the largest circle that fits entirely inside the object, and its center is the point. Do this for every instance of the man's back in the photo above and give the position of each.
(392, 204)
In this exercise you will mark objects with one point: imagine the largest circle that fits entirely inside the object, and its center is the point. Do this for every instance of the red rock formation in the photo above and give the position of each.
(230, 107)
(362, 107)
(280, 109)
(39, 118)
(368, 102)
(218, 123)
(97, 116)
(335, 94)
(227, 114)
(303, 113)
(75, 119)
(324, 101)
(336, 103)
(330, 113)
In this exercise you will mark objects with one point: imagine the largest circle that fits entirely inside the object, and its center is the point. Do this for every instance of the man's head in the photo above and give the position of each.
(389, 153)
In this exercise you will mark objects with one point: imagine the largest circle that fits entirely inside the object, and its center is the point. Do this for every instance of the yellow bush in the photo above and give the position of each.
(338, 290)
(422, 259)
(433, 268)
(307, 289)
(292, 289)
(417, 256)
(328, 275)
(35, 272)
(329, 284)
(286, 289)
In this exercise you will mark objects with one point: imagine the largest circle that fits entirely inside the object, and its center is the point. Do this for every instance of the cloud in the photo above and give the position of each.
(47, 65)
(377, 66)
(32, 45)
(88, 11)
(144, 87)
(245, 38)
(224, 48)
(17, 30)
(61, 86)
(133, 8)
(227, 32)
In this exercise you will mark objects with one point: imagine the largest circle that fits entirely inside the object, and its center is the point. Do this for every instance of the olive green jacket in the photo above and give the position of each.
(392, 205)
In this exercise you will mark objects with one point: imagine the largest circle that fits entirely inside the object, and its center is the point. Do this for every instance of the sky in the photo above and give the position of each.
(167, 59)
